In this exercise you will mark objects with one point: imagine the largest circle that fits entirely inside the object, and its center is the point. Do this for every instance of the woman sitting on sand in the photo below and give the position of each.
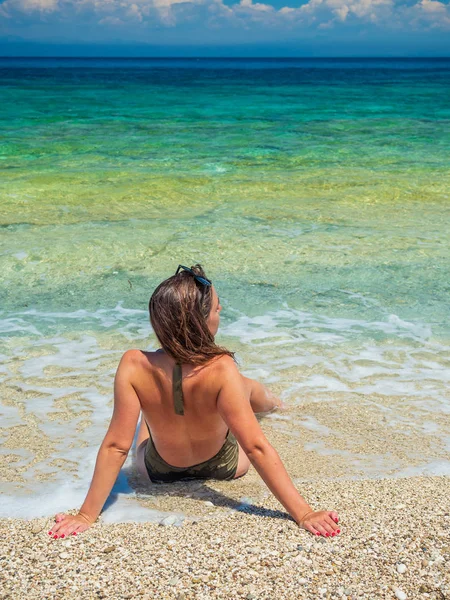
(198, 411)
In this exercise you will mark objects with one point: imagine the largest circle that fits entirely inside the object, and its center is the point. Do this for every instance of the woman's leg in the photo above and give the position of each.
(261, 399)
(141, 443)
(243, 464)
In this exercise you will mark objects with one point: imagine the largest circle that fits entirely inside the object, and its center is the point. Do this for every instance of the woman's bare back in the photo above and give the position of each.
(181, 440)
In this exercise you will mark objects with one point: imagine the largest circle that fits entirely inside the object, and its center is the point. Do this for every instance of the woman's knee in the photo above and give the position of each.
(248, 384)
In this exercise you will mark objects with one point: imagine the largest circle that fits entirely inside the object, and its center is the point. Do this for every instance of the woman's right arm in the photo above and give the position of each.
(234, 406)
(113, 451)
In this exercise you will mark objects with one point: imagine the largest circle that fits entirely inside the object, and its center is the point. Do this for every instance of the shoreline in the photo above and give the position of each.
(394, 543)
(329, 440)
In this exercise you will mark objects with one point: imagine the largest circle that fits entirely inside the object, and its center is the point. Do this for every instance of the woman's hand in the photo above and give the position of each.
(323, 522)
(69, 525)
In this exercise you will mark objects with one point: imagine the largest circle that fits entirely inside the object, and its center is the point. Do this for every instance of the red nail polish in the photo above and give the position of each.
(327, 534)
(333, 534)
(50, 533)
(55, 537)
(63, 535)
(338, 531)
(318, 533)
(74, 533)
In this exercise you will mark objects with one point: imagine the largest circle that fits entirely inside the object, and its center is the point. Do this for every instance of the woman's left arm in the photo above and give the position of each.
(112, 454)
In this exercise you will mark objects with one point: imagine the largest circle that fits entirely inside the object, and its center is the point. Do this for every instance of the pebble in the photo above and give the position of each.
(246, 501)
(250, 597)
(41, 557)
(37, 528)
(208, 503)
(174, 581)
(401, 568)
(170, 520)
(64, 555)
(400, 594)
(109, 549)
(302, 581)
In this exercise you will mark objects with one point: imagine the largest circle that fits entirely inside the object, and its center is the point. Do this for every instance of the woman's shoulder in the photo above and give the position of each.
(223, 366)
(218, 368)
(138, 358)
(138, 366)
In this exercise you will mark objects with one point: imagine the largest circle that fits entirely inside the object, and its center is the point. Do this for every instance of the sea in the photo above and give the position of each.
(314, 192)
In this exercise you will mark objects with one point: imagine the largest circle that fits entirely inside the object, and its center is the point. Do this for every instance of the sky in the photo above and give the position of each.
(224, 28)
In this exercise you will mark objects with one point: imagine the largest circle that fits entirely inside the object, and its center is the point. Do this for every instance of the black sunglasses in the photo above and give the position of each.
(201, 280)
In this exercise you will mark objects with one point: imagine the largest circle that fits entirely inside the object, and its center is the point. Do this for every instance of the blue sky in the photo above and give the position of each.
(225, 27)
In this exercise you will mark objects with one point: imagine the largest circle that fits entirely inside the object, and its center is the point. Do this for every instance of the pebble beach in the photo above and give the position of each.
(219, 539)
(394, 544)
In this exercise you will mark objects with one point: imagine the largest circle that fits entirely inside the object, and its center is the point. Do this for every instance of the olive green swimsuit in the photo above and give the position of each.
(222, 465)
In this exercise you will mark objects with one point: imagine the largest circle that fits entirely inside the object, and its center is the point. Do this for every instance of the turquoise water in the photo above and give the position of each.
(295, 182)
(315, 193)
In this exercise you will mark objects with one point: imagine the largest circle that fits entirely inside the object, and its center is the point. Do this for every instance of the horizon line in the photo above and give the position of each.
(230, 57)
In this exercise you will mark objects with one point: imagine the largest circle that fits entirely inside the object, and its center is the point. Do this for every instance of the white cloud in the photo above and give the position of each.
(28, 6)
(134, 13)
(257, 6)
(341, 12)
(214, 14)
(430, 14)
(111, 21)
(431, 6)
(386, 14)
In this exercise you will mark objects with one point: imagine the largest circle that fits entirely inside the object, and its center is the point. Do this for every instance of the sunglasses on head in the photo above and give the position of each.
(198, 278)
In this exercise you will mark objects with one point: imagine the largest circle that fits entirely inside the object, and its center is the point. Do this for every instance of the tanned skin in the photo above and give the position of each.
(216, 398)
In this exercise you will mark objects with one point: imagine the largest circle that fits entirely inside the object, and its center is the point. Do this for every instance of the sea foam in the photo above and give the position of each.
(60, 365)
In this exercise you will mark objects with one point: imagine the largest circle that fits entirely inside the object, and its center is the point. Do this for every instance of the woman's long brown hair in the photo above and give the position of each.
(179, 309)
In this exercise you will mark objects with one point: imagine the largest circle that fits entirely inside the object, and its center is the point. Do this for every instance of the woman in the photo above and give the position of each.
(195, 405)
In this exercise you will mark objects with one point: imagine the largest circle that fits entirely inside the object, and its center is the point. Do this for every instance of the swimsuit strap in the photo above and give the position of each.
(177, 389)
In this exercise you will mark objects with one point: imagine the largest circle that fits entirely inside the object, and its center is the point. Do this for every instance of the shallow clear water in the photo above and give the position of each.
(315, 194)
